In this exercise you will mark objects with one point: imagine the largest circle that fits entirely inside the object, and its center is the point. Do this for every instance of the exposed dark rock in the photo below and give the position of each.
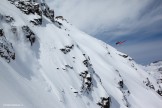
(125, 56)
(1, 32)
(87, 81)
(58, 24)
(63, 69)
(37, 21)
(121, 83)
(9, 19)
(73, 57)
(159, 92)
(28, 7)
(84, 74)
(130, 59)
(59, 17)
(85, 62)
(69, 66)
(29, 34)
(105, 102)
(47, 12)
(6, 48)
(149, 84)
(67, 49)
(75, 92)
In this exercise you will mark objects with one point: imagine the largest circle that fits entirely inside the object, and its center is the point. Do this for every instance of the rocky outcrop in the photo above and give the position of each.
(104, 102)
(86, 81)
(67, 49)
(30, 36)
(6, 48)
(149, 84)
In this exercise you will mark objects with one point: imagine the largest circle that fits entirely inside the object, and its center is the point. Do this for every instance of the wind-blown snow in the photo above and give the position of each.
(43, 76)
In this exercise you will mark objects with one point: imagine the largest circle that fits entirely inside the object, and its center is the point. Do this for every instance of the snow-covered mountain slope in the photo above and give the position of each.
(155, 67)
(51, 64)
(155, 70)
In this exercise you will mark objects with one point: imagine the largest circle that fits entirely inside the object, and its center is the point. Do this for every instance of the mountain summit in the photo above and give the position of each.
(45, 62)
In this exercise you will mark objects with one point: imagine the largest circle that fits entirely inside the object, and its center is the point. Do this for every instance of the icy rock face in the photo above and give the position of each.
(105, 102)
(87, 81)
(29, 34)
(6, 48)
(67, 49)
(149, 84)
(31, 7)
(56, 65)
(47, 11)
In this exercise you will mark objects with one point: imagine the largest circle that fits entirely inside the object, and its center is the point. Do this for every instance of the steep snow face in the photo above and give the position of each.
(155, 70)
(53, 64)
(154, 67)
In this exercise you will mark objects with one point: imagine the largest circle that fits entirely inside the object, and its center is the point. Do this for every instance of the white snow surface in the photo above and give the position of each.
(39, 77)
(155, 70)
